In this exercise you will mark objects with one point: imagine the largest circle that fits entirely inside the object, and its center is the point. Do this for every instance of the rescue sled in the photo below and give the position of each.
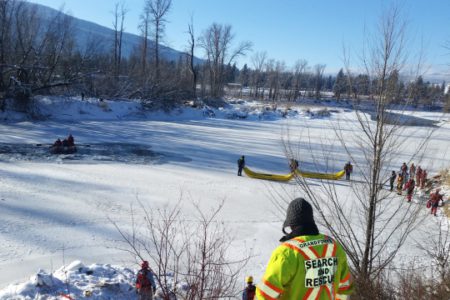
(332, 176)
(265, 176)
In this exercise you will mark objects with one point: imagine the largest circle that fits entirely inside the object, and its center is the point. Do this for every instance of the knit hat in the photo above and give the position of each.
(299, 213)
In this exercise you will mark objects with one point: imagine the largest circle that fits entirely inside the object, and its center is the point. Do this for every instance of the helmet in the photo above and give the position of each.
(144, 264)
(249, 279)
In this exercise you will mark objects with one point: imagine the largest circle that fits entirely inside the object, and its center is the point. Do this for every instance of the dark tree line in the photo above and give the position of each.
(35, 53)
(271, 80)
(40, 54)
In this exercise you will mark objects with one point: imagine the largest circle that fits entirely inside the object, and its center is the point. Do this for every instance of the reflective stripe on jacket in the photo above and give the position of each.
(306, 267)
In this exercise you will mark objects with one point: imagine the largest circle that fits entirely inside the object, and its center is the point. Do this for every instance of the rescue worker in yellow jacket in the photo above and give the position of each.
(307, 265)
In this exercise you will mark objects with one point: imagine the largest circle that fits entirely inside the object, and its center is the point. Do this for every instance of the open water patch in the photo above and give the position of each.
(393, 118)
(88, 153)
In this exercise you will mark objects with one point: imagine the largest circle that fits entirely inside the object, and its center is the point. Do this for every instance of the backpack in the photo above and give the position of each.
(142, 280)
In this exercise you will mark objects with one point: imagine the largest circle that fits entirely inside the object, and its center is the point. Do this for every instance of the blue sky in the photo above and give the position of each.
(288, 30)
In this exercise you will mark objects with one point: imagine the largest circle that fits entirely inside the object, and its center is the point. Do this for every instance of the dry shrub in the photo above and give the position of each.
(378, 288)
(188, 254)
(445, 180)
(414, 285)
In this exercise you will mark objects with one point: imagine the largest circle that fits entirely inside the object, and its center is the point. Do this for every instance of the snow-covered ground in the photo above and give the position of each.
(56, 210)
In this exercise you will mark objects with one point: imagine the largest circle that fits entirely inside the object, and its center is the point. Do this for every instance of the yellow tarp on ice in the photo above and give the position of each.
(274, 177)
(287, 177)
(332, 176)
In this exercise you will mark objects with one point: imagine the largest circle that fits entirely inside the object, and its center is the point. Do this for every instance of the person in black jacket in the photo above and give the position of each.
(392, 180)
(241, 165)
(348, 170)
(250, 289)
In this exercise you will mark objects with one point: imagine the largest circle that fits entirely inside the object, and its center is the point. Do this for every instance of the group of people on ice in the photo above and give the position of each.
(67, 145)
(405, 182)
(405, 179)
(405, 175)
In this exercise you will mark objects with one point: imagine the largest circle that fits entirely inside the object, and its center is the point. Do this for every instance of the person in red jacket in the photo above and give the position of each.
(412, 170)
(434, 200)
(423, 179)
(418, 175)
(145, 283)
(409, 187)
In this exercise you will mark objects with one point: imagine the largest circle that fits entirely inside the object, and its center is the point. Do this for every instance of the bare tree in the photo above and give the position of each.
(299, 70)
(318, 79)
(119, 14)
(5, 38)
(270, 73)
(33, 50)
(437, 249)
(144, 27)
(211, 273)
(158, 10)
(193, 250)
(274, 70)
(374, 227)
(258, 62)
(216, 41)
(154, 236)
(191, 44)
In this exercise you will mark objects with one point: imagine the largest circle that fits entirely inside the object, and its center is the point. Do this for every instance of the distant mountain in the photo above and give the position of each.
(89, 33)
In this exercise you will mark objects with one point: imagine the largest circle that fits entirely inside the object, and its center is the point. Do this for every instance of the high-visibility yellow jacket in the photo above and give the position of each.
(307, 267)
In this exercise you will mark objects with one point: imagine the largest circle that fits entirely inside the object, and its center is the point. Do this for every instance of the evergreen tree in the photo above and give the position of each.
(329, 84)
(362, 84)
(392, 89)
(339, 85)
(244, 76)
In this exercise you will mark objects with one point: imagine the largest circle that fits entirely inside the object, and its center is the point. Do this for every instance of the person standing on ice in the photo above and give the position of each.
(293, 165)
(57, 144)
(434, 201)
(307, 264)
(348, 170)
(409, 187)
(241, 165)
(404, 171)
(412, 170)
(250, 289)
(71, 140)
(145, 283)
(418, 175)
(423, 179)
(392, 180)
(399, 183)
